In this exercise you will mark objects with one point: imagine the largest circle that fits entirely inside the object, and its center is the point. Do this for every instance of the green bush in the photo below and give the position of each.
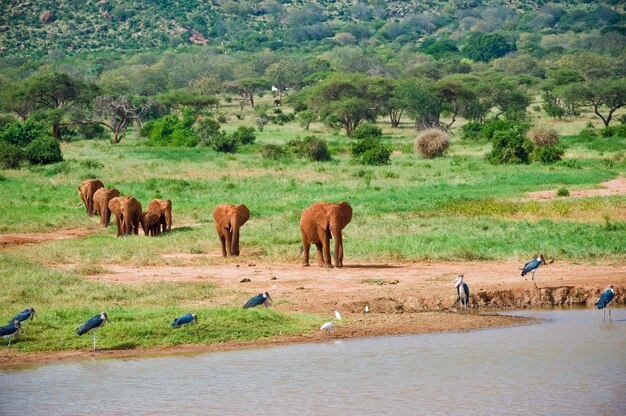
(366, 130)
(472, 131)
(11, 156)
(510, 146)
(170, 131)
(207, 129)
(92, 132)
(310, 147)
(224, 143)
(273, 152)
(562, 192)
(547, 154)
(491, 127)
(370, 151)
(244, 135)
(614, 131)
(43, 150)
(21, 134)
(432, 143)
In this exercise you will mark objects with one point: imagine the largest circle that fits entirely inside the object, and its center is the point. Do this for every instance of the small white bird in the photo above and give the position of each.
(337, 315)
(367, 309)
(327, 327)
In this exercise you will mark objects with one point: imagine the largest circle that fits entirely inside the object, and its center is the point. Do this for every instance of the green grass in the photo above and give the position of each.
(140, 314)
(453, 208)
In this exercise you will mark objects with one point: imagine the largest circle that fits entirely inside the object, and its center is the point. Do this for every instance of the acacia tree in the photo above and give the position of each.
(418, 96)
(457, 98)
(55, 97)
(350, 98)
(246, 88)
(117, 114)
(607, 95)
(502, 95)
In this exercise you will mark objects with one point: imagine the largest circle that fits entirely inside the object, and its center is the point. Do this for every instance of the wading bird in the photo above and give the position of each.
(367, 309)
(462, 290)
(25, 315)
(11, 330)
(605, 299)
(185, 320)
(260, 299)
(532, 266)
(337, 315)
(328, 326)
(94, 323)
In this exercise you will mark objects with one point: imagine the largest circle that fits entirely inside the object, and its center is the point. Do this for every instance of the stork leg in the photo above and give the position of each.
(533, 279)
(609, 314)
(94, 340)
(604, 315)
(9, 341)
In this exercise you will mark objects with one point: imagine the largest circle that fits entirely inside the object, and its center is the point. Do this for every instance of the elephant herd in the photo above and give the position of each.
(319, 222)
(127, 210)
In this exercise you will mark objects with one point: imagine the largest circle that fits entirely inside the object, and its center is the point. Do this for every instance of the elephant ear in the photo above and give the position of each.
(242, 214)
(322, 216)
(220, 216)
(345, 211)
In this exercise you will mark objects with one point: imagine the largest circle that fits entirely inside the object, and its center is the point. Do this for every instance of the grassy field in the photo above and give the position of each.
(454, 208)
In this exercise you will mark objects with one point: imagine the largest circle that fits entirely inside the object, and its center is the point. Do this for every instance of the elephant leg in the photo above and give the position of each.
(320, 254)
(306, 246)
(229, 241)
(90, 206)
(327, 259)
(223, 242)
(338, 252)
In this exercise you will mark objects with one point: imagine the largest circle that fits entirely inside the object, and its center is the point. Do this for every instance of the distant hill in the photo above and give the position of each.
(36, 28)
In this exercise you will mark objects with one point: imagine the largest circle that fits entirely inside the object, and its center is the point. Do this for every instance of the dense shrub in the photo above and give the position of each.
(207, 129)
(21, 134)
(310, 147)
(493, 126)
(370, 151)
(366, 130)
(11, 156)
(283, 118)
(43, 150)
(273, 151)
(472, 131)
(554, 110)
(224, 143)
(170, 131)
(432, 143)
(562, 192)
(542, 136)
(92, 132)
(547, 154)
(244, 135)
(510, 146)
(614, 131)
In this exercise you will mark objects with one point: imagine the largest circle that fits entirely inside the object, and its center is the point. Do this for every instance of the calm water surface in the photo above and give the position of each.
(569, 364)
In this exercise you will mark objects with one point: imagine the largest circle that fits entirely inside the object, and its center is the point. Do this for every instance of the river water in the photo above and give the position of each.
(571, 363)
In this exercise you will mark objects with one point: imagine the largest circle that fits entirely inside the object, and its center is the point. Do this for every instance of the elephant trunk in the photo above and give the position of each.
(234, 250)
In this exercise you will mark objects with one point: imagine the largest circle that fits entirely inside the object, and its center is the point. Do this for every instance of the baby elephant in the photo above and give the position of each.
(228, 220)
(151, 223)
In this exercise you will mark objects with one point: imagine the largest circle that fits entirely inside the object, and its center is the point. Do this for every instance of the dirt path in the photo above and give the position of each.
(10, 240)
(613, 187)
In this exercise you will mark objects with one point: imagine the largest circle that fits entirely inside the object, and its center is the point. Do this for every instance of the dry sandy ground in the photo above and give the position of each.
(613, 187)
